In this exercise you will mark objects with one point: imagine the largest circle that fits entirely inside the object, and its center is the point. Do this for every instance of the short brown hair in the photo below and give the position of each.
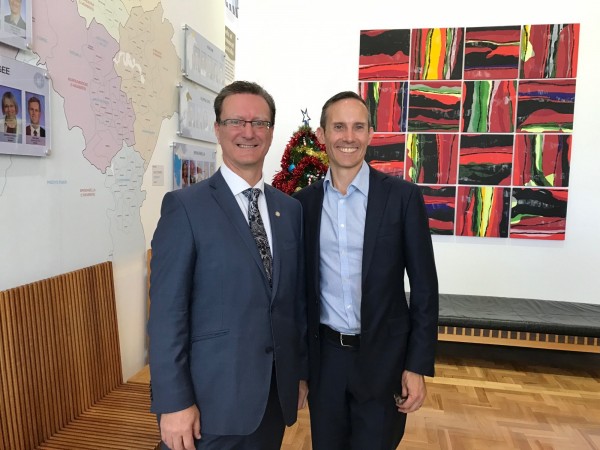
(243, 87)
(342, 96)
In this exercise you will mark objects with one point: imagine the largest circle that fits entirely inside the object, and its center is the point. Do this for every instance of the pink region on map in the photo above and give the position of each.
(80, 63)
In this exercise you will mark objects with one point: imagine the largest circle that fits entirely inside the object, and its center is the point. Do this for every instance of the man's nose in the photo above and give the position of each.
(247, 129)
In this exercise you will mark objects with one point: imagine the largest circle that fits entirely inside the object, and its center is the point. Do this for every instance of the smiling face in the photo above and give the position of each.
(34, 112)
(245, 148)
(9, 108)
(346, 134)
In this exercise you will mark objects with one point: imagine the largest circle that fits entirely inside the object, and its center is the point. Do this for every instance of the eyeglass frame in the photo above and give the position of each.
(240, 123)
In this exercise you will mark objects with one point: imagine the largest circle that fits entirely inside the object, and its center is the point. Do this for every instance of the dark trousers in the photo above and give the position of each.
(268, 435)
(338, 420)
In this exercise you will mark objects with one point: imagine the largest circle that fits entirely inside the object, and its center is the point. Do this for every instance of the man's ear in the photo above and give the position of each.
(216, 127)
(371, 133)
(320, 135)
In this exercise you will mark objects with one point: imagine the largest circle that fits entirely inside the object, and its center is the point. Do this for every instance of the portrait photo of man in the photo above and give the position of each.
(35, 133)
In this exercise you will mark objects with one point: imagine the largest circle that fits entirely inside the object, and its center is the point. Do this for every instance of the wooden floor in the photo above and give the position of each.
(500, 398)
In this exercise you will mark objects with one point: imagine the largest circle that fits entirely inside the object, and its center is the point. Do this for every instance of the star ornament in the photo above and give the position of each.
(305, 117)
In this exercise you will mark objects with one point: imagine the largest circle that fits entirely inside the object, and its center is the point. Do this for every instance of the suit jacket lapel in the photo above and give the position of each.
(225, 199)
(377, 201)
(313, 233)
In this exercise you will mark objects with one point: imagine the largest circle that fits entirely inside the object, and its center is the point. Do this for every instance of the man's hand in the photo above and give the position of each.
(179, 429)
(413, 392)
(302, 394)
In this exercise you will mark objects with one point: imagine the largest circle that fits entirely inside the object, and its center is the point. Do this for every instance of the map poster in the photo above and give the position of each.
(15, 26)
(192, 164)
(203, 63)
(25, 119)
(196, 113)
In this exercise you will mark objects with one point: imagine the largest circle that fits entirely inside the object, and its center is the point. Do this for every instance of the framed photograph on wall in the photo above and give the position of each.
(203, 62)
(15, 27)
(192, 164)
(196, 113)
(25, 119)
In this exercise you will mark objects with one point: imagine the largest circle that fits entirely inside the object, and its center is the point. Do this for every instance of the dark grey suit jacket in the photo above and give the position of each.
(394, 337)
(215, 325)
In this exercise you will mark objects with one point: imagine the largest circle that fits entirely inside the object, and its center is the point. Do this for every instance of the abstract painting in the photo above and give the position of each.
(483, 117)
(386, 153)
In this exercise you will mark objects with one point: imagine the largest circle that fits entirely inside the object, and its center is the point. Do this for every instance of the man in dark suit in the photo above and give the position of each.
(227, 325)
(34, 109)
(368, 349)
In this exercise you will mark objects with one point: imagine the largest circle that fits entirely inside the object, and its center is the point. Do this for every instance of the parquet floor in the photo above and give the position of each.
(500, 398)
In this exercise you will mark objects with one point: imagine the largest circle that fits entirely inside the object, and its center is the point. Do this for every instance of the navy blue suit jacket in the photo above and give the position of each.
(394, 337)
(215, 324)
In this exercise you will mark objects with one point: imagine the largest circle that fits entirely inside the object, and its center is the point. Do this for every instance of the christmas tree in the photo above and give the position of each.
(304, 160)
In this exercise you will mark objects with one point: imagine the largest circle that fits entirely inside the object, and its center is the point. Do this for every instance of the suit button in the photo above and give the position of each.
(268, 349)
(316, 335)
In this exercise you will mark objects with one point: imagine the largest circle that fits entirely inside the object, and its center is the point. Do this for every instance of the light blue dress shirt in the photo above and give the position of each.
(342, 237)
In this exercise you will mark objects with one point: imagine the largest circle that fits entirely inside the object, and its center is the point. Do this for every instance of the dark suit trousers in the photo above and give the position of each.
(338, 420)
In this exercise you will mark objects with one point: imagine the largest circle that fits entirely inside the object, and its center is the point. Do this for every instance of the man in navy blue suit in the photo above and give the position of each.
(369, 349)
(227, 326)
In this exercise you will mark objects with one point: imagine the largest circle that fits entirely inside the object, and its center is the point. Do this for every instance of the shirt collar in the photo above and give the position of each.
(360, 181)
(237, 184)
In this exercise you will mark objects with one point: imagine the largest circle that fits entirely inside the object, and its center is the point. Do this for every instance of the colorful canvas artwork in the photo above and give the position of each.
(437, 54)
(387, 104)
(538, 214)
(386, 153)
(482, 211)
(481, 118)
(546, 106)
(489, 106)
(492, 53)
(485, 159)
(549, 51)
(440, 202)
(431, 158)
(542, 160)
(434, 106)
(384, 54)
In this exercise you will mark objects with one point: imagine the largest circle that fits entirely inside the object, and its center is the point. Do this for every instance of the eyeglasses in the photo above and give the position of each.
(239, 123)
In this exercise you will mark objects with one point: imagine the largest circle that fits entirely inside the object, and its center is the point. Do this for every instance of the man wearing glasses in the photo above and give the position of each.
(228, 317)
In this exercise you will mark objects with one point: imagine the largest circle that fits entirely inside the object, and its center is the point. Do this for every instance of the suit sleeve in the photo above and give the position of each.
(422, 275)
(171, 279)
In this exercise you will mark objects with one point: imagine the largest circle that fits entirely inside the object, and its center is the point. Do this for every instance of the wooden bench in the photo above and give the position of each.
(61, 384)
(546, 324)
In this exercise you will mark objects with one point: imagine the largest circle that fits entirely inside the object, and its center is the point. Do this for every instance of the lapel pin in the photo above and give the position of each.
(277, 214)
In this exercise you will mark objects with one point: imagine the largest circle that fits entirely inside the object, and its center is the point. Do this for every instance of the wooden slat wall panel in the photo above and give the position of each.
(59, 353)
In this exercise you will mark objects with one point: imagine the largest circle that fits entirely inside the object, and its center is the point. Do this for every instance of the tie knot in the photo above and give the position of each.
(252, 194)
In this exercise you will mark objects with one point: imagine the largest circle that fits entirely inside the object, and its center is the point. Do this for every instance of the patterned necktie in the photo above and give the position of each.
(258, 231)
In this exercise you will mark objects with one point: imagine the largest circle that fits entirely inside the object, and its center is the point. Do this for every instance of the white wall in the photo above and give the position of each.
(305, 51)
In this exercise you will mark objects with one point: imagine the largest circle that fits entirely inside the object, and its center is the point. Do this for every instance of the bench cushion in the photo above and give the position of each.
(520, 314)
